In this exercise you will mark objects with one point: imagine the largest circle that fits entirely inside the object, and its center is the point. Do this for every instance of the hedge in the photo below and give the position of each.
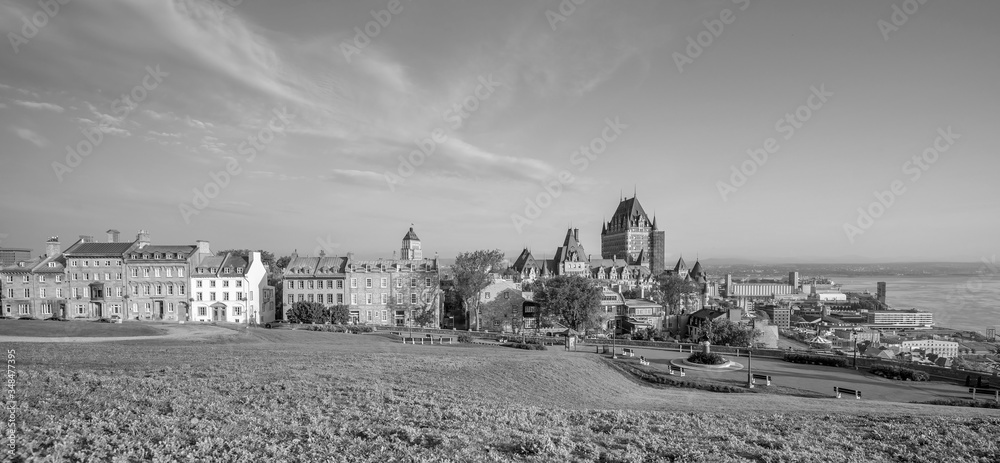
(816, 360)
(899, 373)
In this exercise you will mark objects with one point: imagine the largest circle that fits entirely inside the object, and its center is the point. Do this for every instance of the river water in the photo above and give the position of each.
(960, 302)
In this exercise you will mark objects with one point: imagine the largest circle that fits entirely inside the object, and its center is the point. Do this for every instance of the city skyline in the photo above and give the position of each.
(292, 123)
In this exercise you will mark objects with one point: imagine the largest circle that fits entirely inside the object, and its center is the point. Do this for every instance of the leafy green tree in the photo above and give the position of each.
(670, 290)
(726, 333)
(339, 314)
(571, 300)
(505, 309)
(473, 273)
(308, 312)
(282, 262)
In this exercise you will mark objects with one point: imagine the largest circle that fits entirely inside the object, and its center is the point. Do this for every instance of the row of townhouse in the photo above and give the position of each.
(379, 292)
(132, 280)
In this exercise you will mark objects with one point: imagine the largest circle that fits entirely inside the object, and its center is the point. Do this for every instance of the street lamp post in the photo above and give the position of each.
(855, 336)
(750, 366)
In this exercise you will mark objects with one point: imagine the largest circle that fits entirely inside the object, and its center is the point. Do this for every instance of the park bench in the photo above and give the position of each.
(675, 368)
(765, 378)
(989, 392)
(627, 351)
(844, 390)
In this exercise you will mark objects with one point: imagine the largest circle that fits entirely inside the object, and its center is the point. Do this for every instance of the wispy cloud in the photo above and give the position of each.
(31, 136)
(40, 105)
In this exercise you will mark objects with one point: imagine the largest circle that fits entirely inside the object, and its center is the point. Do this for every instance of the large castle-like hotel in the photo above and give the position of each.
(632, 254)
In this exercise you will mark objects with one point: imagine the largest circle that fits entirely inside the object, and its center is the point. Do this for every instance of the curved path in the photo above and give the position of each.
(819, 379)
(174, 332)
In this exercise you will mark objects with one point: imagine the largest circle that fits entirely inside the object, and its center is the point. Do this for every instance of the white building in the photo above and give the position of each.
(932, 346)
(900, 318)
(228, 289)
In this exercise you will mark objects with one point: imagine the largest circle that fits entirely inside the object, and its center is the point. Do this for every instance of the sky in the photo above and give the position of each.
(334, 125)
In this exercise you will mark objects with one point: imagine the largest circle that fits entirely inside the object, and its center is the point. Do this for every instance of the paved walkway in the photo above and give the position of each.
(819, 379)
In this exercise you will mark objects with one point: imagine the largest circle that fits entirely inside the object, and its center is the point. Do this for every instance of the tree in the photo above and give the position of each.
(282, 263)
(473, 273)
(671, 289)
(504, 310)
(340, 314)
(727, 333)
(308, 312)
(571, 300)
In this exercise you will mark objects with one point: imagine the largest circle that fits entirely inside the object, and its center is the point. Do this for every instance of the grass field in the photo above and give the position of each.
(54, 329)
(282, 395)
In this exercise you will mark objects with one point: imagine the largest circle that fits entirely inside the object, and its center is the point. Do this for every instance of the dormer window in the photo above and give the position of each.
(52, 264)
(239, 269)
(226, 270)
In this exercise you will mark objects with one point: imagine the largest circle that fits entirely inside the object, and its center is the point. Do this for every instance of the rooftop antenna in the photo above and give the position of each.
(635, 189)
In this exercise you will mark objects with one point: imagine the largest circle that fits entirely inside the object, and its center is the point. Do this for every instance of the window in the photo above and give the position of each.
(329, 298)
(118, 291)
(368, 298)
(145, 290)
(413, 282)
(399, 298)
(41, 293)
(41, 278)
(86, 263)
(427, 281)
(290, 284)
(148, 307)
(107, 277)
(47, 309)
(368, 314)
(27, 293)
(302, 297)
(385, 314)
(340, 284)
(170, 290)
(340, 298)
(156, 272)
(118, 277)
(329, 284)
(26, 279)
(384, 282)
(239, 283)
(383, 297)
(310, 298)
(180, 272)
(135, 272)
(76, 292)
(413, 298)
(159, 290)
(201, 311)
(251, 296)
(145, 272)
(368, 282)
(170, 272)
(225, 295)
(97, 277)
(302, 284)
(225, 283)
(59, 293)
(76, 276)
(211, 296)
(354, 282)
(10, 293)
(23, 309)
(237, 310)
(80, 309)
(311, 284)
(86, 292)
(197, 283)
(399, 282)
(226, 270)
(211, 283)
(354, 299)
(291, 298)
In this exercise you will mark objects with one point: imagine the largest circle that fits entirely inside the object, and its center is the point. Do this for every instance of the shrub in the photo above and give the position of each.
(816, 360)
(525, 346)
(55, 318)
(27, 317)
(104, 320)
(464, 338)
(962, 403)
(712, 358)
(899, 373)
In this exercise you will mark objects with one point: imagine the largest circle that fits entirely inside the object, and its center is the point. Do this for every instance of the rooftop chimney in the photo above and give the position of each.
(576, 234)
(52, 247)
(86, 239)
(113, 236)
(203, 248)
